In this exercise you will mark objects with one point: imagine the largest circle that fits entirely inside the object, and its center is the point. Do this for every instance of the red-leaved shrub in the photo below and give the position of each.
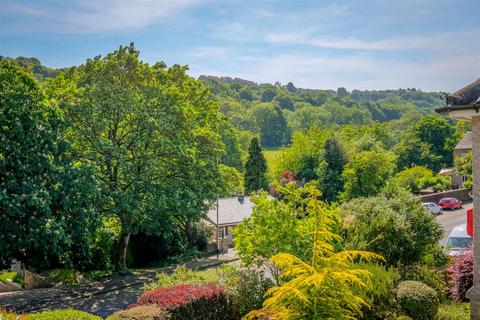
(185, 301)
(461, 275)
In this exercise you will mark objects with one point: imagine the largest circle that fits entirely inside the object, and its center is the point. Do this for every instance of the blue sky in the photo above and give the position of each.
(358, 44)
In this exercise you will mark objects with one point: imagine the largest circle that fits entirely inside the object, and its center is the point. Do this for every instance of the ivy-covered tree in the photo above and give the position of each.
(46, 202)
(330, 169)
(255, 168)
(152, 133)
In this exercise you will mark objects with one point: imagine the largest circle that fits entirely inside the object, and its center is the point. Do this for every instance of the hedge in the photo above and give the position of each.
(417, 300)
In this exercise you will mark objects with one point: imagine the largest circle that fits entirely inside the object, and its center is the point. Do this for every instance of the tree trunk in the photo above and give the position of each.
(121, 252)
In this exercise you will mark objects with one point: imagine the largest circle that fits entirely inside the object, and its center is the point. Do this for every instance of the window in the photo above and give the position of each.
(458, 242)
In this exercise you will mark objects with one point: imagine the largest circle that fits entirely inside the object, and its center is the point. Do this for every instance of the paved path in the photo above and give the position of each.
(102, 297)
(451, 219)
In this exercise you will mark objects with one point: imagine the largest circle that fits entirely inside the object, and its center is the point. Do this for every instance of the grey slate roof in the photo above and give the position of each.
(231, 211)
(465, 143)
(470, 95)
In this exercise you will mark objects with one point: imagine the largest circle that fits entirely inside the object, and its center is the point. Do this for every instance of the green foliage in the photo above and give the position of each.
(152, 133)
(326, 288)
(380, 294)
(46, 200)
(428, 143)
(464, 167)
(68, 314)
(183, 275)
(417, 300)
(67, 277)
(418, 178)
(12, 276)
(140, 313)
(274, 131)
(366, 174)
(330, 169)
(232, 181)
(427, 275)
(302, 157)
(247, 287)
(255, 168)
(454, 311)
(395, 226)
(281, 225)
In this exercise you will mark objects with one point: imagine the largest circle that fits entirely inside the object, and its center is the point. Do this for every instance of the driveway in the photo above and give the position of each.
(450, 219)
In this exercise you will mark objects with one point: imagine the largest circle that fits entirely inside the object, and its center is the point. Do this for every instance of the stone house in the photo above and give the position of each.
(231, 211)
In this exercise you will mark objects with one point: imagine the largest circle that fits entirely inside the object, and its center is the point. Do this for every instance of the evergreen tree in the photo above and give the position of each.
(330, 169)
(255, 168)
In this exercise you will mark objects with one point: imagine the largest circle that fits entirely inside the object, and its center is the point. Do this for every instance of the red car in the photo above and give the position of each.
(450, 203)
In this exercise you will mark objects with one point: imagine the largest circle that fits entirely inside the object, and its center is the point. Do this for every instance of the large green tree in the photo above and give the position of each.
(274, 131)
(255, 168)
(46, 202)
(152, 133)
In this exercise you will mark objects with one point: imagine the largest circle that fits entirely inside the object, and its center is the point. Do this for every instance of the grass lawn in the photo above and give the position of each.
(271, 154)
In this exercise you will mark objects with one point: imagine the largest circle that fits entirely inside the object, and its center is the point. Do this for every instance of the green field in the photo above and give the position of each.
(270, 155)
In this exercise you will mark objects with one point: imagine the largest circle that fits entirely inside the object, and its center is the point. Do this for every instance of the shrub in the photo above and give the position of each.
(455, 311)
(380, 295)
(394, 225)
(13, 276)
(417, 300)
(141, 313)
(185, 301)
(183, 275)
(67, 314)
(431, 277)
(68, 277)
(461, 275)
(247, 287)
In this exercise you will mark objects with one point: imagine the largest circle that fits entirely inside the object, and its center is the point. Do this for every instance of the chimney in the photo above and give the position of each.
(241, 198)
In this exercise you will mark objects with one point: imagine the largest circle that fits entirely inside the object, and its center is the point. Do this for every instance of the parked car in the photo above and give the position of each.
(457, 240)
(432, 207)
(450, 203)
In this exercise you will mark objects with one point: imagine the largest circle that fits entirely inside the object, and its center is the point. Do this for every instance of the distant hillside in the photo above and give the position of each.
(273, 112)
(39, 71)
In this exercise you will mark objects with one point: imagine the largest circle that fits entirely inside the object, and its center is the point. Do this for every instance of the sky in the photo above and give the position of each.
(433, 45)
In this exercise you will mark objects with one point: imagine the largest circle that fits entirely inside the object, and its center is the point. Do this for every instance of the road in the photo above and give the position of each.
(450, 219)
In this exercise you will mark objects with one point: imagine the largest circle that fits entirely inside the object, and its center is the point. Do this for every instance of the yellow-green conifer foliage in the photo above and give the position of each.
(330, 287)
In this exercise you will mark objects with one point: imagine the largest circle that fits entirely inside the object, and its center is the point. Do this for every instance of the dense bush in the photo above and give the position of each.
(454, 311)
(68, 314)
(461, 275)
(184, 301)
(141, 313)
(417, 300)
(427, 275)
(247, 287)
(393, 224)
(380, 295)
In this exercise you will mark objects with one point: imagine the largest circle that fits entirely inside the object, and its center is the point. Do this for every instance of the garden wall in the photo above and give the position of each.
(460, 194)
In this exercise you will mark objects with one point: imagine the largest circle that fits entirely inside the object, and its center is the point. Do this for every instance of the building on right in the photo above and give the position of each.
(464, 104)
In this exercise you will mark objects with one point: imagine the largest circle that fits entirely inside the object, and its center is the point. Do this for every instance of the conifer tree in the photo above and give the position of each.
(255, 168)
(330, 169)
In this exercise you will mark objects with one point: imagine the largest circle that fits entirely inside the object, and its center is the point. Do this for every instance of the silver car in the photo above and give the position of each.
(433, 207)
(458, 240)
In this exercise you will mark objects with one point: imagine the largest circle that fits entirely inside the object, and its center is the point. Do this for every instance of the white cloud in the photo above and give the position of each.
(94, 16)
(356, 72)
(438, 41)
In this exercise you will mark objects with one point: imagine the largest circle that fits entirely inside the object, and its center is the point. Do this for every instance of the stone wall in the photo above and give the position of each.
(460, 194)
